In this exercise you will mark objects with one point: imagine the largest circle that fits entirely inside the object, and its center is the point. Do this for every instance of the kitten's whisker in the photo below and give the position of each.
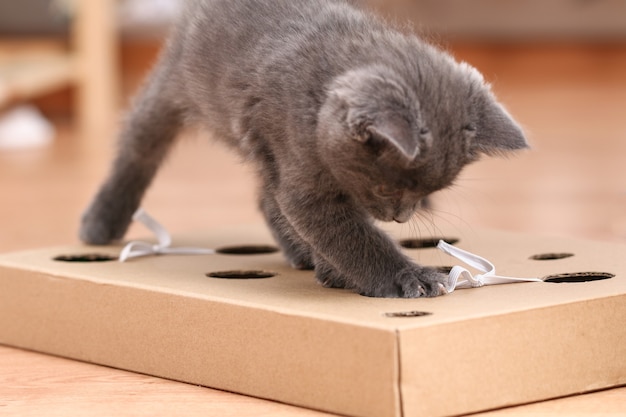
(453, 225)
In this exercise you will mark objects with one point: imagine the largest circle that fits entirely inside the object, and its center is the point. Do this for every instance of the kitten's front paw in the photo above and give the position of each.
(101, 227)
(411, 282)
(95, 231)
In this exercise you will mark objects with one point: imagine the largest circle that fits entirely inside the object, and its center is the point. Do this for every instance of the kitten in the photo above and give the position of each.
(347, 119)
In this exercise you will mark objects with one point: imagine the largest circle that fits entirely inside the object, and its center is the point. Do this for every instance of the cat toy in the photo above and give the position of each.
(458, 278)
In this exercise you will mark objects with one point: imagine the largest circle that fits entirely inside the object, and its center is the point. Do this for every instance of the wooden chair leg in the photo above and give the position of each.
(95, 46)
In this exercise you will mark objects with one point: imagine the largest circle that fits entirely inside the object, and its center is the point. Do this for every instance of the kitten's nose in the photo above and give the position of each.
(403, 212)
(402, 217)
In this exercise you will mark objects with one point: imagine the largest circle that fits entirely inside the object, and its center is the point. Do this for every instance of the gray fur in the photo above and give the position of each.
(347, 119)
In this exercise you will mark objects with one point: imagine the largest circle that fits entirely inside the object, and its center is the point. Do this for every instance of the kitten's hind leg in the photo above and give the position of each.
(145, 139)
(296, 250)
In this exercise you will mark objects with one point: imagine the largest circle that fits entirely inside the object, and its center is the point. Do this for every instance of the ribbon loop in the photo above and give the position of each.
(137, 248)
(460, 277)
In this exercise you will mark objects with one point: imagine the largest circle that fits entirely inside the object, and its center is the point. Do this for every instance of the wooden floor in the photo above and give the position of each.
(570, 99)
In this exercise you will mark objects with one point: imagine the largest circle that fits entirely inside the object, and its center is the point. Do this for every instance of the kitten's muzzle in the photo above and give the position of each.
(404, 212)
(402, 217)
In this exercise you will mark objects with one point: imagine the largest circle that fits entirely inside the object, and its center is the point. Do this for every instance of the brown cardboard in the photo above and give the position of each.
(288, 339)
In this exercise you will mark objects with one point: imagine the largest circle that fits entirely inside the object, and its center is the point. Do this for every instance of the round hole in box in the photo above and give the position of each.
(574, 277)
(241, 274)
(414, 313)
(424, 243)
(85, 257)
(247, 250)
(551, 256)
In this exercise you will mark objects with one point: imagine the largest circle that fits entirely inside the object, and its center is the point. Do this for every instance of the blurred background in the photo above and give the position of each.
(68, 68)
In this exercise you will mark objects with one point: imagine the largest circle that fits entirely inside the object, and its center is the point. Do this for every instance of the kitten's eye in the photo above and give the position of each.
(470, 128)
(385, 191)
(424, 131)
(388, 192)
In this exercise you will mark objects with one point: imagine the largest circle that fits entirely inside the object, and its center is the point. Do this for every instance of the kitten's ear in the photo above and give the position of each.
(395, 131)
(497, 132)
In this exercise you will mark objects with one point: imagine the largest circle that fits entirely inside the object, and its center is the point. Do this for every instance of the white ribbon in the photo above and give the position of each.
(460, 277)
(138, 248)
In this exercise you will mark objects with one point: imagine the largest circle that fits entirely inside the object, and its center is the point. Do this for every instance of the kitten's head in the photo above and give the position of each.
(389, 141)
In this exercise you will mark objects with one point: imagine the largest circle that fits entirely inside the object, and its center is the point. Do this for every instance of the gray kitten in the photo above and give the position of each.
(347, 119)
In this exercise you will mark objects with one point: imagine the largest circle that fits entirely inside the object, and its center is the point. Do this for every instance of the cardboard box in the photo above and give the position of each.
(288, 339)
